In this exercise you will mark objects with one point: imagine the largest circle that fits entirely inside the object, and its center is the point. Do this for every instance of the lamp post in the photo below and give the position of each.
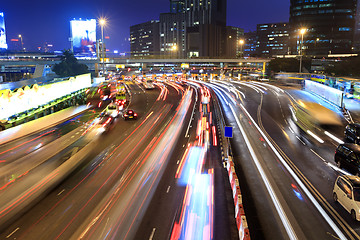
(21, 41)
(302, 32)
(102, 24)
(241, 42)
(174, 49)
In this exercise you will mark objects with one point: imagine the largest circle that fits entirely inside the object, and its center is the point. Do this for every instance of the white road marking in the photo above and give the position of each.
(333, 137)
(152, 234)
(318, 155)
(168, 189)
(12, 232)
(300, 140)
(61, 192)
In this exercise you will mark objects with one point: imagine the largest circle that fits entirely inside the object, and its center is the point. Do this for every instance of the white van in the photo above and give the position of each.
(347, 193)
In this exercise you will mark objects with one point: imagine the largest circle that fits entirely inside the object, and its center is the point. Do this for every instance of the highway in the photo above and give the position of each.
(161, 176)
(286, 176)
(114, 175)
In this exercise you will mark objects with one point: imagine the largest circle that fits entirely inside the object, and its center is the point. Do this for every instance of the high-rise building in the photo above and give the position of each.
(329, 26)
(144, 39)
(206, 28)
(205, 12)
(250, 44)
(177, 6)
(357, 29)
(172, 35)
(193, 28)
(273, 39)
(234, 42)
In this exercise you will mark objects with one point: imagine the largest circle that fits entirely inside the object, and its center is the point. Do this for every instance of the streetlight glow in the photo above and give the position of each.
(174, 48)
(302, 32)
(102, 21)
(241, 42)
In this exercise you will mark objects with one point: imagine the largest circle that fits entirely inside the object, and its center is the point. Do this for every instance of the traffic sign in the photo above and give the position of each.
(228, 132)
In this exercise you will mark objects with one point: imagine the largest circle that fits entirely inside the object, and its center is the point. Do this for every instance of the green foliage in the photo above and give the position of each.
(284, 65)
(287, 64)
(349, 67)
(69, 66)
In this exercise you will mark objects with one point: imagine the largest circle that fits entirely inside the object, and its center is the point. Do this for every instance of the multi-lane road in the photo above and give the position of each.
(287, 176)
(162, 177)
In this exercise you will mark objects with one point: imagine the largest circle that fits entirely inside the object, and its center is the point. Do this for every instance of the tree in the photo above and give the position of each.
(349, 67)
(287, 64)
(69, 65)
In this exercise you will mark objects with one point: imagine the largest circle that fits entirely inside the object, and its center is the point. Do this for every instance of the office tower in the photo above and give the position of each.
(144, 39)
(272, 39)
(177, 6)
(329, 26)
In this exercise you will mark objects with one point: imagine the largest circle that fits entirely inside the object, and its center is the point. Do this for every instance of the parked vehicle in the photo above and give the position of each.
(352, 133)
(347, 193)
(347, 156)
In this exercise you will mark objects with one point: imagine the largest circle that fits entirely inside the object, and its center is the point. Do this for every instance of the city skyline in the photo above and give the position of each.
(51, 22)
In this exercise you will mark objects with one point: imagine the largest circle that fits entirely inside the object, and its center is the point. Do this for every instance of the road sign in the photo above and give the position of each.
(228, 132)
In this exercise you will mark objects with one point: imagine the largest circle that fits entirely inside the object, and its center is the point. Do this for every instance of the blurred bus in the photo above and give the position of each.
(311, 116)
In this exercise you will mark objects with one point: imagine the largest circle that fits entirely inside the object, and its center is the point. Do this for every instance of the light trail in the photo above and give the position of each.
(295, 177)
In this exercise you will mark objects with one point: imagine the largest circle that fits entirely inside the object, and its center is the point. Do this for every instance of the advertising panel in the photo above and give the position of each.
(83, 34)
(3, 44)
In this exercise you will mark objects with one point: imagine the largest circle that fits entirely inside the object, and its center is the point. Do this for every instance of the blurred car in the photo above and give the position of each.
(104, 122)
(112, 110)
(130, 114)
(347, 193)
(347, 156)
(352, 133)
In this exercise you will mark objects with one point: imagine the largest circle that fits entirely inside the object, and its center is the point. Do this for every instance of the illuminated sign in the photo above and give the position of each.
(28, 97)
(3, 44)
(83, 34)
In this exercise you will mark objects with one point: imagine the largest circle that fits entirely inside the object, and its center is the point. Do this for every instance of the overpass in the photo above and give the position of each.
(36, 65)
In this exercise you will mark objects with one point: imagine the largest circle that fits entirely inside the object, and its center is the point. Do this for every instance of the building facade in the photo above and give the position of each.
(192, 28)
(144, 39)
(329, 26)
(172, 35)
(250, 44)
(357, 29)
(273, 39)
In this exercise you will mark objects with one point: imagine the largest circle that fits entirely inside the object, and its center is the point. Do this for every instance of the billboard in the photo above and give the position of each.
(83, 33)
(3, 44)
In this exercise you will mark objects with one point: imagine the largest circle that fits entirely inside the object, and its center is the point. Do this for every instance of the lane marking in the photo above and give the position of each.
(318, 155)
(12, 232)
(284, 219)
(295, 177)
(61, 192)
(168, 189)
(336, 139)
(301, 140)
(152, 234)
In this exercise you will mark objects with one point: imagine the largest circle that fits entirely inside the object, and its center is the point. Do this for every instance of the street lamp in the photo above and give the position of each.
(22, 44)
(302, 32)
(241, 42)
(174, 49)
(102, 22)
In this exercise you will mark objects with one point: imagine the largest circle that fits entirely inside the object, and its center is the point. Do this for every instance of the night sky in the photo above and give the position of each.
(41, 21)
